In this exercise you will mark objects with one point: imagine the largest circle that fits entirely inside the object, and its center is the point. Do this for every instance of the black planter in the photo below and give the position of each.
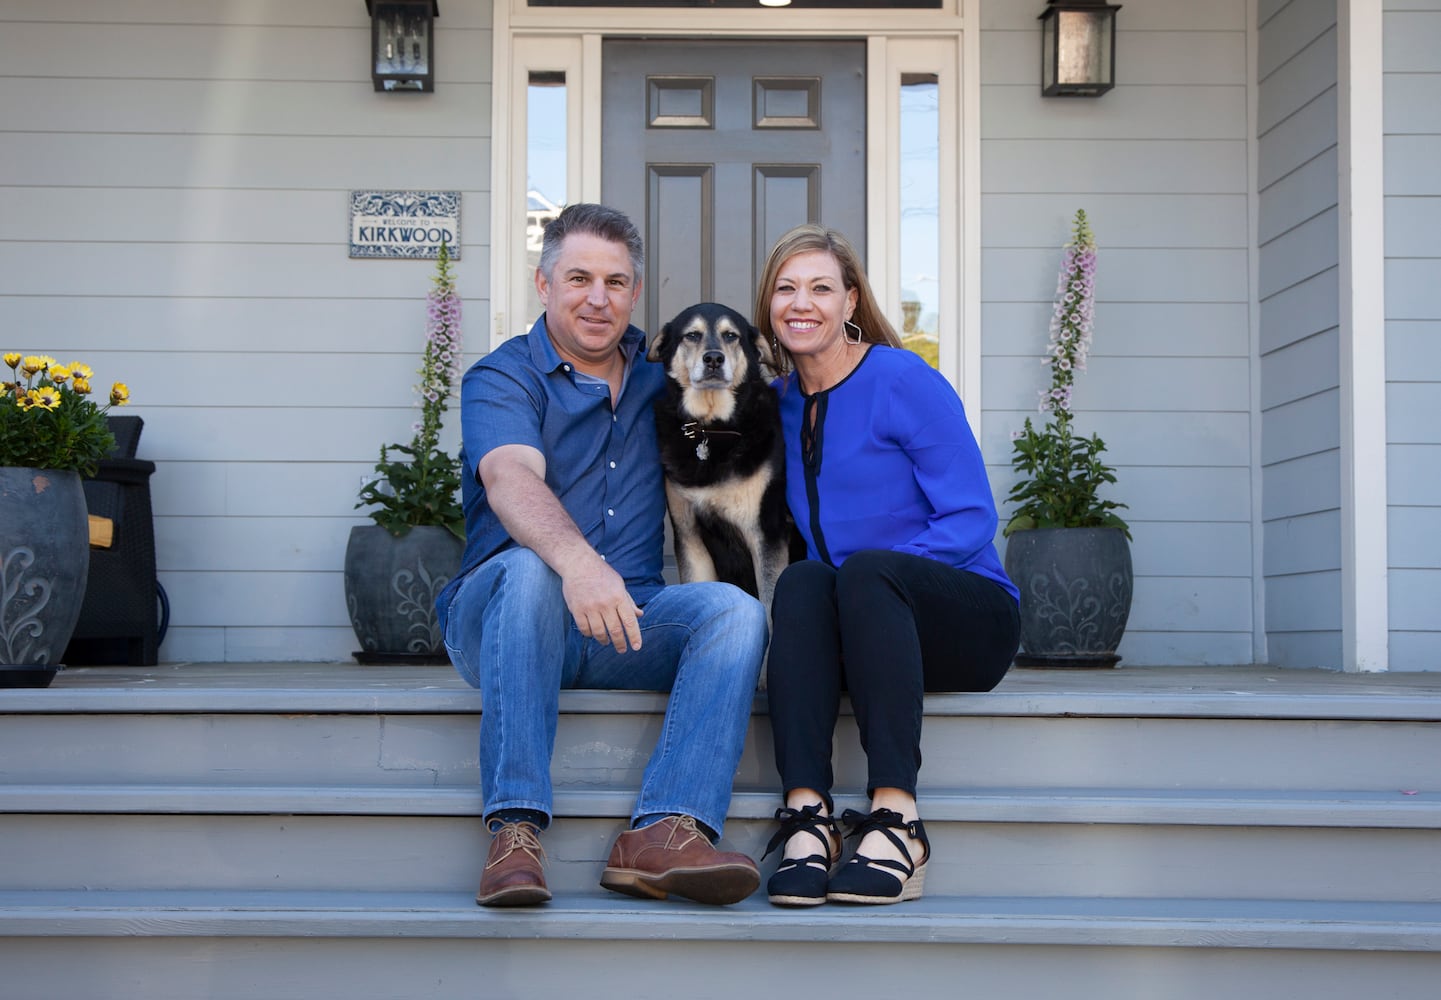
(27, 677)
(390, 589)
(44, 560)
(1075, 588)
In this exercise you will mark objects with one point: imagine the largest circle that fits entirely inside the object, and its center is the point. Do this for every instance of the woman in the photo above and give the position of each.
(901, 591)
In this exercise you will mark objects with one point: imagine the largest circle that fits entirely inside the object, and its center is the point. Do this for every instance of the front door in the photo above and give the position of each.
(716, 148)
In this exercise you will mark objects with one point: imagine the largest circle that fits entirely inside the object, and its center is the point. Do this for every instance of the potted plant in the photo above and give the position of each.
(395, 567)
(51, 433)
(1067, 549)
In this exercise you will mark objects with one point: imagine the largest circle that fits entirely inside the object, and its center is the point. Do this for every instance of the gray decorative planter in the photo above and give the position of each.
(1075, 588)
(390, 588)
(44, 562)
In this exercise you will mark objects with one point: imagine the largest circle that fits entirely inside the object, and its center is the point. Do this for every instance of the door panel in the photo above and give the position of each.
(716, 148)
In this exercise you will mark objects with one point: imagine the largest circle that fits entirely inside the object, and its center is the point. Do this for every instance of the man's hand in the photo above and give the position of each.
(603, 609)
(514, 477)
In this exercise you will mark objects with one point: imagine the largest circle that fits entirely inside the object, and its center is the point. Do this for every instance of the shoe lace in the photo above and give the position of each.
(520, 837)
(684, 831)
(794, 821)
(882, 819)
(886, 820)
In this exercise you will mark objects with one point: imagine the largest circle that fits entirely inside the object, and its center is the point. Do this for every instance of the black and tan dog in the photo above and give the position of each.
(719, 429)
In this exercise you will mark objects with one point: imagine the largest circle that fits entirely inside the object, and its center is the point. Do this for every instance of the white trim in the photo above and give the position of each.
(755, 22)
(910, 40)
(889, 60)
(1364, 507)
(883, 208)
(503, 124)
(514, 62)
(590, 106)
(968, 220)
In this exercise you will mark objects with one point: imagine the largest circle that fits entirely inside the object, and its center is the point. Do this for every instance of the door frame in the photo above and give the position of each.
(944, 41)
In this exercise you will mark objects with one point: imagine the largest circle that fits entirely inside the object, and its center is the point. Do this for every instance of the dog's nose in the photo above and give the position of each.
(714, 359)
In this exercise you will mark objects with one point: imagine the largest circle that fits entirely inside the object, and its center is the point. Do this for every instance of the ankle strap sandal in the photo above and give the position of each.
(802, 881)
(881, 880)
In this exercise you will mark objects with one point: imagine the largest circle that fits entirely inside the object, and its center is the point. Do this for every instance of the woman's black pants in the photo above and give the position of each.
(885, 627)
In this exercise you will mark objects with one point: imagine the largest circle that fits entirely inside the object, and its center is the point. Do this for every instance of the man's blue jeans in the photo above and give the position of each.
(510, 634)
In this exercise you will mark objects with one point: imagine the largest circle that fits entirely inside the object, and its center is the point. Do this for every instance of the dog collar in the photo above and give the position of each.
(693, 430)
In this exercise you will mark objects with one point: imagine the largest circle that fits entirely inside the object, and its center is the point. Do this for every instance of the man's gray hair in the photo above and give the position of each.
(592, 220)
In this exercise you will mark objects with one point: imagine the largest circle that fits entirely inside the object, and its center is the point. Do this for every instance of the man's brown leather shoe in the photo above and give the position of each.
(512, 875)
(673, 856)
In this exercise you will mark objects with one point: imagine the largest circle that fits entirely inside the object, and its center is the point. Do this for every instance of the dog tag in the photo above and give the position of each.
(702, 450)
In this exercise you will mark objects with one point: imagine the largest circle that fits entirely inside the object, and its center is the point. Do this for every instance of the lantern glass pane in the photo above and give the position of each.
(402, 40)
(1084, 54)
(545, 169)
(1048, 47)
(920, 204)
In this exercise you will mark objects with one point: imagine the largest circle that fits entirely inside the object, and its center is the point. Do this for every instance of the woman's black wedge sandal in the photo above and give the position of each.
(867, 880)
(802, 881)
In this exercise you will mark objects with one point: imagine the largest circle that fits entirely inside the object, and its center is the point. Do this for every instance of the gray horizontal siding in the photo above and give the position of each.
(1298, 294)
(177, 178)
(1413, 347)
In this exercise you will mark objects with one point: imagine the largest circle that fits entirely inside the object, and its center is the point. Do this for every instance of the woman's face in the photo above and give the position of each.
(810, 303)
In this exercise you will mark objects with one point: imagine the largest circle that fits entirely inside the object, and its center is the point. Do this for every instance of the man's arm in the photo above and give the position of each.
(514, 479)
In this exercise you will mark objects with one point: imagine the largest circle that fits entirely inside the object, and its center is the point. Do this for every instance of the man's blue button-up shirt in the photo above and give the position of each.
(602, 463)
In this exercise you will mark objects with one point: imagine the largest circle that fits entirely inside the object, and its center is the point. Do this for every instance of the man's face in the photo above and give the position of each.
(588, 299)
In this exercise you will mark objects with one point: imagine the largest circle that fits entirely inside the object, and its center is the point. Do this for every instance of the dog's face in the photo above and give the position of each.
(706, 346)
(709, 349)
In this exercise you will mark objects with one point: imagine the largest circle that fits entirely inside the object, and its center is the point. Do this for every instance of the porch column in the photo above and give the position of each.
(1364, 557)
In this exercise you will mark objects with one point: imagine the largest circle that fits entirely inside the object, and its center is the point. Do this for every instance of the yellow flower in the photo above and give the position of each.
(119, 394)
(58, 374)
(80, 371)
(46, 397)
(12, 359)
(36, 363)
(81, 385)
(25, 402)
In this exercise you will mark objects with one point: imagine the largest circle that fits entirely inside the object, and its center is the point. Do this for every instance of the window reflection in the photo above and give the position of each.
(545, 170)
(920, 236)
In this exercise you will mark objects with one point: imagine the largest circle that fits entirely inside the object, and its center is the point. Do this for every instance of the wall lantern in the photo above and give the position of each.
(402, 43)
(1078, 48)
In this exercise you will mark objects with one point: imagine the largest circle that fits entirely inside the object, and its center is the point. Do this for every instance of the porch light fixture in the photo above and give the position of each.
(402, 44)
(1078, 48)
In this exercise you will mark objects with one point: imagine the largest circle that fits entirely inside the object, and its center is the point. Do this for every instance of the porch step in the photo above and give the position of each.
(1402, 809)
(1362, 846)
(600, 915)
(230, 831)
(236, 946)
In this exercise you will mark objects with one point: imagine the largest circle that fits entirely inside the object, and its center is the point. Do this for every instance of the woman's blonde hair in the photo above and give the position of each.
(875, 328)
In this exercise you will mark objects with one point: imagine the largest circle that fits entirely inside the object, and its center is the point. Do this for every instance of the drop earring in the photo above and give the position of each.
(849, 326)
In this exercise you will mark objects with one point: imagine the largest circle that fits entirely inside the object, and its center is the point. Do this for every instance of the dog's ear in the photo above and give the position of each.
(656, 340)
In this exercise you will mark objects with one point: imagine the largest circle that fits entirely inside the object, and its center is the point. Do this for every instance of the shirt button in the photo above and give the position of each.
(565, 368)
(610, 512)
(612, 465)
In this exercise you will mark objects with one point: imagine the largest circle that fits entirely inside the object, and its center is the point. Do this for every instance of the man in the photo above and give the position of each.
(561, 586)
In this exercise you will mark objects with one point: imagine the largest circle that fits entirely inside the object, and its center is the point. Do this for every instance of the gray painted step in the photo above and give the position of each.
(605, 739)
(599, 915)
(156, 946)
(444, 853)
(294, 830)
(1401, 809)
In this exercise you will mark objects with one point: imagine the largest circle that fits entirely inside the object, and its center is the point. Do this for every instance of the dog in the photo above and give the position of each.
(719, 430)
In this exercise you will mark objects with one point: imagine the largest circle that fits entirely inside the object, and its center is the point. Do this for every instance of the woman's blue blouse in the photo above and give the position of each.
(890, 464)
